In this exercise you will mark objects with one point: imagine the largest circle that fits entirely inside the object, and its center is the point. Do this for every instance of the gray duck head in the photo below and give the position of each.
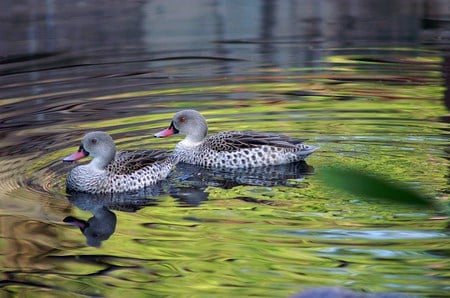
(97, 144)
(188, 122)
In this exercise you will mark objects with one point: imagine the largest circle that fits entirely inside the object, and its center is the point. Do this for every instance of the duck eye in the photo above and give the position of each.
(183, 119)
(94, 141)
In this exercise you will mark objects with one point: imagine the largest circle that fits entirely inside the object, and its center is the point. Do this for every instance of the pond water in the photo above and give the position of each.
(374, 101)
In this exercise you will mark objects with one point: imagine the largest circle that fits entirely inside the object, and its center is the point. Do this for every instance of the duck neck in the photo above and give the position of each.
(100, 162)
(194, 139)
(191, 142)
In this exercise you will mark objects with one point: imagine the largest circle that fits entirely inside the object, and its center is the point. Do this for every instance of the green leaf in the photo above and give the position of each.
(358, 182)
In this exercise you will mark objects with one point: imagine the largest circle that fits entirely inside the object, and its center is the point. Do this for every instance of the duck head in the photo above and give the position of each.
(187, 122)
(97, 144)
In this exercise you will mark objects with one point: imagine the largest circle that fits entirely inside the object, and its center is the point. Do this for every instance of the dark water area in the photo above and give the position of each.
(367, 81)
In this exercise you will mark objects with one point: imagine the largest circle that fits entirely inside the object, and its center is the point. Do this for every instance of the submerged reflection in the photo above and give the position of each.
(200, 177)
(190, 182)
(187, 184)
(97, 228)
(102, 224)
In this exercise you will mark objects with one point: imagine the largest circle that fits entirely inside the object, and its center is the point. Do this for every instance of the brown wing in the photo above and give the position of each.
(236, 140)
(127, 162)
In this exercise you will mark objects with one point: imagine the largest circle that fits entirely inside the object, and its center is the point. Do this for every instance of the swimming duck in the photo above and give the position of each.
(231, 149)
(111, 172)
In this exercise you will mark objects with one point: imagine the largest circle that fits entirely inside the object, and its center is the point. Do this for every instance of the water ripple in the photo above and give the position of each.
(349, 234)
(214, 230)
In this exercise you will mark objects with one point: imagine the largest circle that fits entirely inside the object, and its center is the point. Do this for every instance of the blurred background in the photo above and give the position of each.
(30, 27)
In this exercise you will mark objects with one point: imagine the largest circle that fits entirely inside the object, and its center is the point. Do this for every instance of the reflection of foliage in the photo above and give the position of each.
(382, 117)
(368, 185)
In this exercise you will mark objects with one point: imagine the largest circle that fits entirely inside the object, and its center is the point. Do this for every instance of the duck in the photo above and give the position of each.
(115, 172)
(231, 149)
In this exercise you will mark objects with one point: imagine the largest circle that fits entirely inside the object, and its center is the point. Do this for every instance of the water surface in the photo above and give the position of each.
(375, 103)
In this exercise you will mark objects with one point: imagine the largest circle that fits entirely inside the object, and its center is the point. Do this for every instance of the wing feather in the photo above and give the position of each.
(232, 141)
(127, 162)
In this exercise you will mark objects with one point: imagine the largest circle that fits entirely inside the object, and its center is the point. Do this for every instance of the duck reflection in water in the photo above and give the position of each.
(189, 182)
(102, 224)
(98, 228)
(277, 175)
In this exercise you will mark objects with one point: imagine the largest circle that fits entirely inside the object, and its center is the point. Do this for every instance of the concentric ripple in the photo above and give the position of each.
(222, 232)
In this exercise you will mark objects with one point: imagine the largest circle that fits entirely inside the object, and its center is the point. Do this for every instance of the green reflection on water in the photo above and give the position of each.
(288, 237)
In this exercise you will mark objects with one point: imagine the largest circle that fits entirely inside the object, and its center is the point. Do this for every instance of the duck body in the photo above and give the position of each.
(111, 172)
(236, 149)
(232, 149)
